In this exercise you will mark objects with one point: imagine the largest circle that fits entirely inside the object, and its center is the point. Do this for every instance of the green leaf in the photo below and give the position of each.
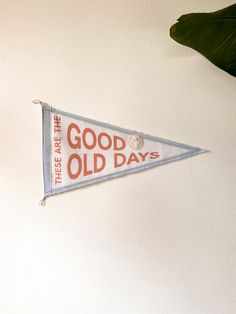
(212, 34)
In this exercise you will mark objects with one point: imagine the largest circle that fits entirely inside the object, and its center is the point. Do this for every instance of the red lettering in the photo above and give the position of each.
(85, 132)
(132, 158)
(119, 164)
(79, 168)
(103, 164)
(86, 171)
(89, 139)
(100, 137)
(154, 155)
(143, 156)
(77, 144)
(122, 141)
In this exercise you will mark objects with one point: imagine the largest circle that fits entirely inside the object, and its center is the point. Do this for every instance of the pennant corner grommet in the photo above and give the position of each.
(79, 151)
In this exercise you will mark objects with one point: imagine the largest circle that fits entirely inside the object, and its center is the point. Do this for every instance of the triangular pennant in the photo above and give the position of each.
(78, 151)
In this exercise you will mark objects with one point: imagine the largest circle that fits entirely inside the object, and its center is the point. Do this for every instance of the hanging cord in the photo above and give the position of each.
(37, 101)
(42, 202)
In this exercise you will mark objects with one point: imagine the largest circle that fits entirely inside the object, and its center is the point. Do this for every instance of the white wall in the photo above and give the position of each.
(161, 241)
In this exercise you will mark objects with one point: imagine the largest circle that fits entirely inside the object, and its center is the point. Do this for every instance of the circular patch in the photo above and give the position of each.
(135, 141)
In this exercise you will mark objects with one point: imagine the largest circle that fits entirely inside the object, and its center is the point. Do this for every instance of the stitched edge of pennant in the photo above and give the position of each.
(47, 171)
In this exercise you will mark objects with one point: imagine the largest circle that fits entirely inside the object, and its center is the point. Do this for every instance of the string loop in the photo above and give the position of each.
(37, 101)
(42, 202)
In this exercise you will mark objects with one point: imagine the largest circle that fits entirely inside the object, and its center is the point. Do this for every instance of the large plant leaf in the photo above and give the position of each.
(212, 34)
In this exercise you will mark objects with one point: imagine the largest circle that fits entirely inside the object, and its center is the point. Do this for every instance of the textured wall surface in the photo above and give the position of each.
(158, 242)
